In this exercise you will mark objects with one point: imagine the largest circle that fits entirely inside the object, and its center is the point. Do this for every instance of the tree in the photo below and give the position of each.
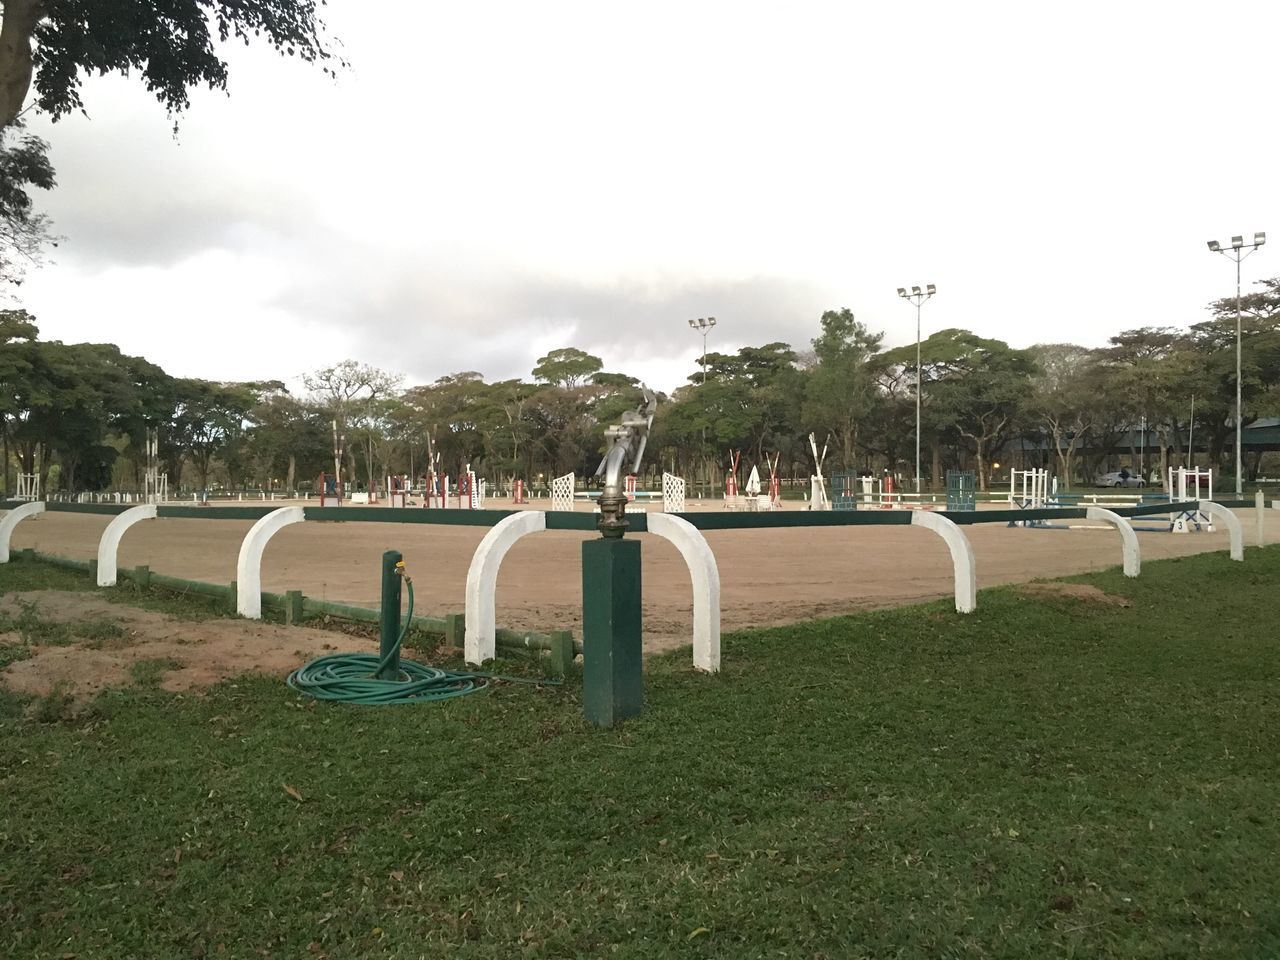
(569, 367)
(1214, 340)
(210, 417)
(15, 325)
(1066, 402)
(54, 44)
(1151, 374)
(23, 233)
(67, 399)
(349, 391)
(451, 414)
(284, 433)
(979, 386)
(841, 391)
(170, 46)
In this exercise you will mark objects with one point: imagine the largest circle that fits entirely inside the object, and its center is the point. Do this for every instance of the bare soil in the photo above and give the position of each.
(1077, 591)
(203, 653)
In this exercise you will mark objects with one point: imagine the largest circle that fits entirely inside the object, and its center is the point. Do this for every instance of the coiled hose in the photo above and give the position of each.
(353, 677)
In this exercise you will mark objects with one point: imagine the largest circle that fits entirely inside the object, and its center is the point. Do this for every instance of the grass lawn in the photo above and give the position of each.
(1047, 777)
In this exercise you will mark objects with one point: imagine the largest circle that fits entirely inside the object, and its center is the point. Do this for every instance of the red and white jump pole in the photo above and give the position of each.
(886, 492)
(775, 482)
(731, 478)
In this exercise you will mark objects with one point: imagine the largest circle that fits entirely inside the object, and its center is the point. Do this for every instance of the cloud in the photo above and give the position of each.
(468, 198)
(436, 319)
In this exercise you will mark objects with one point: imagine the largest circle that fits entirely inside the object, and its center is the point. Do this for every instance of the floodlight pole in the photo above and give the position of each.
(703, 325)
(918, 298)
(1237, 253)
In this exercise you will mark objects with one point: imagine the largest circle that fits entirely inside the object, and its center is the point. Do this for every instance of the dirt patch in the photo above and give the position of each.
(1078, 591)
(203, 653)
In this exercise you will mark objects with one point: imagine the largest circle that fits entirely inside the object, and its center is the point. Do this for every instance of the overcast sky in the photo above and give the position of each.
(492, 181)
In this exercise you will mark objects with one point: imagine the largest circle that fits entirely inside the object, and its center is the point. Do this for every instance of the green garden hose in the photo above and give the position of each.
(353, 677)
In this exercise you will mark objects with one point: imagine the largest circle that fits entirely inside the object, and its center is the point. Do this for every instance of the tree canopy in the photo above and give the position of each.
(171, 47)
(24, 164)
(78, 414)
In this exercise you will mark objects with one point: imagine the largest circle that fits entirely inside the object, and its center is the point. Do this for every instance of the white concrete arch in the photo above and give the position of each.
(1235, 529)
(482, 578)
(705, 575)
(249, 564)
(482, 581)
(962, 559)
(1128, 539)
(11, 520)
(109, 544)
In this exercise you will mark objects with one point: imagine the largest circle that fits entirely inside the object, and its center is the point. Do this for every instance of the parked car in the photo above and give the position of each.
(1118, 478)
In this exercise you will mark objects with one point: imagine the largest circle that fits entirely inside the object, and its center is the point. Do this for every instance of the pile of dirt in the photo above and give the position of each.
(196, 654)
(1078, 591)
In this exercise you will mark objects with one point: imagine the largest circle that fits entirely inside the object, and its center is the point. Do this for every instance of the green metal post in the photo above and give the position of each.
(561, 652)
(293, 606)
(455, 629)
(389, 625)
(612, 681)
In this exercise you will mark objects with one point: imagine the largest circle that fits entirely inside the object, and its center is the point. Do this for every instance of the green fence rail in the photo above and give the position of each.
(638, 522)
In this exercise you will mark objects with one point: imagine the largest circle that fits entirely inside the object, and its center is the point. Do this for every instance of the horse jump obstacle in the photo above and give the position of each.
(962, 490)
(1185, 483)
(818, 484)
(845, 488)
(1029, 490)
(398, 488)
(562, 492)
(435, 492)
(672, 493)
(731, 478)
(330, 490)
(28, 487)
(155, 485)
(775, 482)
(471, 491)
